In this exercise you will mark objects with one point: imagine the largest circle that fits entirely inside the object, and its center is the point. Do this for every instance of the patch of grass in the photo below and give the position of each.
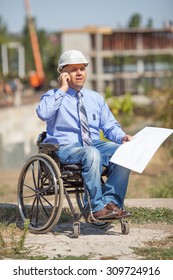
(66, 215)
(12, 241)
(109, 258)
(141, 215)
(40, 257)
(8, 215)
(156, 250)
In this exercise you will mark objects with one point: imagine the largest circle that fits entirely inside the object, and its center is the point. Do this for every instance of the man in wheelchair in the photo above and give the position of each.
(74, 116)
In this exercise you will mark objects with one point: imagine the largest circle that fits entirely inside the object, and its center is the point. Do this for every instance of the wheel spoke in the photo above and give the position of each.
(32, 209)
(44, 208)
(46, 200)
(28, 196)
(37, 211)
(31, 188)
(45, 179)
(33, 176)
(39, 174)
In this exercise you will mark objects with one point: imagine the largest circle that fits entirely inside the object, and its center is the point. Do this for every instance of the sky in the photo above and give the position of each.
(56, 15)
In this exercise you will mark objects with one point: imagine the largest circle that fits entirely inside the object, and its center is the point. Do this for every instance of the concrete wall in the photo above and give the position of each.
(19, 129)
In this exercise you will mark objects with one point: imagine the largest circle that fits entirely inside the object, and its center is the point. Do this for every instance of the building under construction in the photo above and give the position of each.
(127, 60)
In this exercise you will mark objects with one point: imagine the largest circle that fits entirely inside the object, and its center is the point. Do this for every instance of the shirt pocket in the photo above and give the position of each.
(93, 118)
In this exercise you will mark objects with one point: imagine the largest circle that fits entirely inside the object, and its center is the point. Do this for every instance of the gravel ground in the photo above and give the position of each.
(96, 243)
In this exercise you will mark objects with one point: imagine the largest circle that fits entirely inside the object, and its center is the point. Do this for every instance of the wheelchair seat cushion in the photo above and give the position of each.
(72, 167)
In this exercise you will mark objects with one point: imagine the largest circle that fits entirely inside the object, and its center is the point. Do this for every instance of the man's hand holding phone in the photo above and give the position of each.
(63, 80)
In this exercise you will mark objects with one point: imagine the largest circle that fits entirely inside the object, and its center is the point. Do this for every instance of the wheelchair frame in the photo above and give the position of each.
(42, 185)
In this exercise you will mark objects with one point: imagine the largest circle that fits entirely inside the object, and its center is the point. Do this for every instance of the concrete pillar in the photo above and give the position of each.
(140, 66)
(139, 48)
(21, 61)
(4, 52)
(99, 64)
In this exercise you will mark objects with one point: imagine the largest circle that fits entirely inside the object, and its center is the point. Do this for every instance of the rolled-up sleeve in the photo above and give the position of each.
(49, 104)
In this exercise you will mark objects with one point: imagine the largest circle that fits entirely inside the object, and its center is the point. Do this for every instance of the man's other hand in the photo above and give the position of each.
(126, 138)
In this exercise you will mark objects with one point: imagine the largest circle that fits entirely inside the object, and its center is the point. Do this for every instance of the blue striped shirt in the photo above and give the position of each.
(59, 110)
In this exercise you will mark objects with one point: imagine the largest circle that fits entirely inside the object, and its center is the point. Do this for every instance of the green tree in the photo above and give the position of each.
(149, 23)
(3, 32)
(52, 62)
(26, 41)
(135, 21)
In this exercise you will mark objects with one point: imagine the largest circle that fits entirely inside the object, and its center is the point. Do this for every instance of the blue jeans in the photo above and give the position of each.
(92, 158)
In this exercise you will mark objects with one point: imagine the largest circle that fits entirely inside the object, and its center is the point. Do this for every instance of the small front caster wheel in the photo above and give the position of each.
(125, 229)
(76, 229)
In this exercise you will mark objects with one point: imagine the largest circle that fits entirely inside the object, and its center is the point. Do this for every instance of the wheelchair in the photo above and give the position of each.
(42, 185)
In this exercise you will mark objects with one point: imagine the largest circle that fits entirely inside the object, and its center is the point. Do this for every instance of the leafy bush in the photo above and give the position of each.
(164, 188)
(121, 105)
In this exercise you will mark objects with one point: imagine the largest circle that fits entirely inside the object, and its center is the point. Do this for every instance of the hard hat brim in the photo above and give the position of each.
(59, 68)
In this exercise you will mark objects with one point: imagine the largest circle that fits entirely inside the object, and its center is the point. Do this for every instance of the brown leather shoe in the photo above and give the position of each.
(119, 213)
(104, 214)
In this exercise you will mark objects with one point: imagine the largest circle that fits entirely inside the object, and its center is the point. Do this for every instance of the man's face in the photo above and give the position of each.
(77, 75)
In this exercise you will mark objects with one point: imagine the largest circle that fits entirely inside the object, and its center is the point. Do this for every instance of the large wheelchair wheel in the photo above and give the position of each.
(40, 193)
(80, 203)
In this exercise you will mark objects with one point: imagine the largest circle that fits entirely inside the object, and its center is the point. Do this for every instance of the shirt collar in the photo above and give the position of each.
(73, 92)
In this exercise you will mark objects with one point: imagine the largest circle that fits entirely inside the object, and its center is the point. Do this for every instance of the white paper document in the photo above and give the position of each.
(136, 154)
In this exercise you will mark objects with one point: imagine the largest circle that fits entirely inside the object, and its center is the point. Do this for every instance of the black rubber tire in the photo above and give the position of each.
(40, 193)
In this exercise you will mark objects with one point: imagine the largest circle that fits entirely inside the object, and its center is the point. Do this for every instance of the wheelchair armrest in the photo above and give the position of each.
(47, 147)
(41, 137)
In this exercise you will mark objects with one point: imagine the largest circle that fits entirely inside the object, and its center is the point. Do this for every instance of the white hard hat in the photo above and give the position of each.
(71, 57)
